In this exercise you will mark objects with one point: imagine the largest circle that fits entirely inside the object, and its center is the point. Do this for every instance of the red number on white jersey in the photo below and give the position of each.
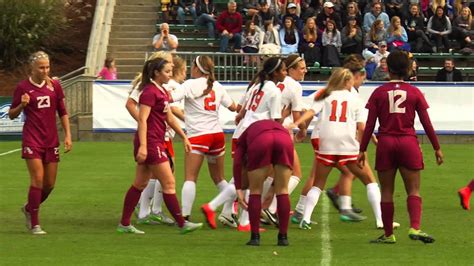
(401, 96)
(343, 117)
(281, 86)
(210, 101)
(43, 102)
(255, 101)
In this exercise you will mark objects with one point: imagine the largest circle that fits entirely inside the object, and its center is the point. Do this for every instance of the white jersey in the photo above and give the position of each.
(202, 112)
(260, 105)
(291, 95)
(339, 114)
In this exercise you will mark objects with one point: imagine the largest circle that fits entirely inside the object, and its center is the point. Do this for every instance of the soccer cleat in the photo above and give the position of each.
(270, 217)
(147, 221)
(282, 240)
(414, 234)
(190, 227)
(304, 225)
(36, 230)
(333, 197)
(385, 240)
(379, 225)
(230, 221)
(129, 229)
(254, 240)
(350, 216)
(27, 217)
(247, 228)
(296, 217)
(136, 211)
(464, 196)
(161, 218)
(210, 215)
(356, 210)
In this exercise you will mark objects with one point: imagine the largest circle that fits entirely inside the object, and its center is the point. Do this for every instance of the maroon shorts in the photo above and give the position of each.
(156, 152)
(47, 155)
(270, 148)
(401, 151)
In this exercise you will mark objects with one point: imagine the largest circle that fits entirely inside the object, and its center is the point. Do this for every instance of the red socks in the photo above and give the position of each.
(173, 206)
(45, 193)
(254, 209)
(131, 199)
(34, 201)
(283, 208)
(387, 217)
(414, 210)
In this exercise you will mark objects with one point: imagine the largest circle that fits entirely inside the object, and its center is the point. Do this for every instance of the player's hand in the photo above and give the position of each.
(361, 160)
(141, 154)
(439, 157)
(238, 118)
(187, 145)
(301, 134)
(25, 99)
(67, 144)
(241, 199)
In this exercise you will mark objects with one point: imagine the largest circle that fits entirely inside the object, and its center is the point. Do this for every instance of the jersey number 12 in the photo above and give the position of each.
(395, 104)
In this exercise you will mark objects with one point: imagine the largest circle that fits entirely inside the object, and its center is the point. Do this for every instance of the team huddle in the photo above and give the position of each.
(270, 118)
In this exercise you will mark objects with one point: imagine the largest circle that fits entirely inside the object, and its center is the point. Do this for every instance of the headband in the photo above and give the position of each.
(40, 55)
(297, 59)
(200, 67)
(275, 67)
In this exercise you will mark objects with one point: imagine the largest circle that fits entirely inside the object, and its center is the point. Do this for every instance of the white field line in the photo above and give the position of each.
(8, 152)
(326, 254)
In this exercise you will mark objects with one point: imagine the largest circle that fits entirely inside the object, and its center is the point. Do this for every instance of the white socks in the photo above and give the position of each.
(225, 197)
(311, 201)
(345, 202)
(244, 215)
(293, 183)
(300, 205)
(221, 185)
(157, 198)
(374, 197)
(145, 199)
(188, 194)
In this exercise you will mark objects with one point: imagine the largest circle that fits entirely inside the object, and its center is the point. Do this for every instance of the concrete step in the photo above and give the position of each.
(132, 34)
(198, 48)
(147, 28)
(130, 41)
(129, 48)
(130, 61)
(134, 21)
(137, 8)
(129, 74)
(128, 55)
(137, 2)
(139, 14)
(123, 69)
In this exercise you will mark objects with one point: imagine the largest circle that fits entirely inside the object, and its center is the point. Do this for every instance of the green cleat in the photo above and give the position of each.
(414, 234)
(147, 221)
(351, 216)
(129, 229)
(304, 225)
(384, 240)
(296, 217)
(161, 218)
(189, 227)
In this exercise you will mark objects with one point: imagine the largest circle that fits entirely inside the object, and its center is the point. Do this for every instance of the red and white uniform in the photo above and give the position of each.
(291, 95)
(202, 114)
(40, 134)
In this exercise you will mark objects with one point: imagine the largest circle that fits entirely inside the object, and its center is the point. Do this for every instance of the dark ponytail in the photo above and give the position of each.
(206, 66)
(149, 68)
(270, 66)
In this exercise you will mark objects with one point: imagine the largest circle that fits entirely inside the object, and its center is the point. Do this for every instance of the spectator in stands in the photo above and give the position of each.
(376, 34)
(370, 64)
(229, 25)
(186, 7)
(332, 43)
(414, 26)
(251, 7)
(462, 27)
(269, 40)
(381, 72)
(352, 10)
(413, 73)
(351, 36)
(164, 41)
(168, 9)
(291, 12)
(265, 14)
(206, 12)
(394, 8)
(381, 52)
(309, 8)
(458, 6)
(449, 72)
(439, 28)
(289, 37)
(109, 71)
(250, 41)
(370, 3)
(397, 37)
(328, 14)
(310, 44)
(284, 6)
(376, 14)
(434, 4)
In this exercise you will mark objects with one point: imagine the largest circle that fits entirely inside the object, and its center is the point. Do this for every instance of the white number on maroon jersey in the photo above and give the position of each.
(395, 104)
(43, 102)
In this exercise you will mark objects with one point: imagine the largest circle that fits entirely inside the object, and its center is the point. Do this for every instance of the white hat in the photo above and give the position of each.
(328, 4)
(291, 5)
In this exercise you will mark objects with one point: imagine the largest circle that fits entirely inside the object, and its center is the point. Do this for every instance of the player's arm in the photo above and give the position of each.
(15, 111)
(67, 133)
(131, 106)
(178, 112)
(429, 130)
(143, 114)
(173, 123)
(369, 129)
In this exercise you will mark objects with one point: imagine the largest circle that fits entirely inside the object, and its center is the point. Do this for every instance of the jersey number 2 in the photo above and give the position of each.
(343, 117)
(210, 101)
(395, 104)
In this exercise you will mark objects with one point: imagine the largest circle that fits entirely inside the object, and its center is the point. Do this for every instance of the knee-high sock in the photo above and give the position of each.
(188, 194)
(345, 202)
(145, 199)
(293, 183)
(283, 212)
(244, 215)
(225, 196)
(300, 205)
(173, 206)
(254, 209)
(129, 203)
(273, 206)
(222, 185)
(374, 197)
(414, 211)
(311, 200)
(157, 198)
(45, 193)
(266, 186)
(34, 201)
(228, 207)
(387, 217)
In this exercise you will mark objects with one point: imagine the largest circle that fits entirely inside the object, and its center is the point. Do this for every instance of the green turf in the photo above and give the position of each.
(84, 209)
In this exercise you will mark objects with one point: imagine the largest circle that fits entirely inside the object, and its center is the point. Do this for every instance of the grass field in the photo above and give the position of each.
(82, 213)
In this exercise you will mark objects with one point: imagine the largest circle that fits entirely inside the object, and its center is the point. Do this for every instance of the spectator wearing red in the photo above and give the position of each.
(229, 25)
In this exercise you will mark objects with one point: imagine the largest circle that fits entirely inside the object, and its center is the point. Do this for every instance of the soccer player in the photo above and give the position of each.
(465, 195)
(394, 105)
(203, 96)
(265, 146)
(153, 116)
(40, 97)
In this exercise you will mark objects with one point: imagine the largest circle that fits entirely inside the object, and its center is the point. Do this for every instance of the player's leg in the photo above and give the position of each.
(31, 209)
(282, 175)
(145, 202)
(387, 183)
(465, 195)
(256, 178)
(345, 199)
(193, 162)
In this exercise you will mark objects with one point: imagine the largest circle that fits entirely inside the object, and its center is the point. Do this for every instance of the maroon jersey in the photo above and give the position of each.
(395, 104)
(156, 98)
(40, 129)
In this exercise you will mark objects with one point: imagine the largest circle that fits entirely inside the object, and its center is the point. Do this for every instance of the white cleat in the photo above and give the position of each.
(27, 217)
(129, 229)
(227, 220)
(36, 230)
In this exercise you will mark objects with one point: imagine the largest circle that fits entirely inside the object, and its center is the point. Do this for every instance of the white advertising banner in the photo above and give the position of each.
(451, 105)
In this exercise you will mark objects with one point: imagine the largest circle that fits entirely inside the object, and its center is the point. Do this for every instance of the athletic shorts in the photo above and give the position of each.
(270, 148)
(234, 146)
(315, 143)
(400, 151)
(209, 144)
(169, 147)
(47, 155)
(156, 152)
(334, 160)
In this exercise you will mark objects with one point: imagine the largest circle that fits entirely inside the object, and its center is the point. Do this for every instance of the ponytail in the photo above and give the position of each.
(206, 67)
(148, 72)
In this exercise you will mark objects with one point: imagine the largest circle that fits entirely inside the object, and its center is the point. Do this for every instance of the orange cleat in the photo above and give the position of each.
(210, 215)
(465, 196)
(246, 228)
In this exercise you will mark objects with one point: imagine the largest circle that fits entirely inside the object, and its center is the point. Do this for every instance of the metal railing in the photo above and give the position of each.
(78, 93)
